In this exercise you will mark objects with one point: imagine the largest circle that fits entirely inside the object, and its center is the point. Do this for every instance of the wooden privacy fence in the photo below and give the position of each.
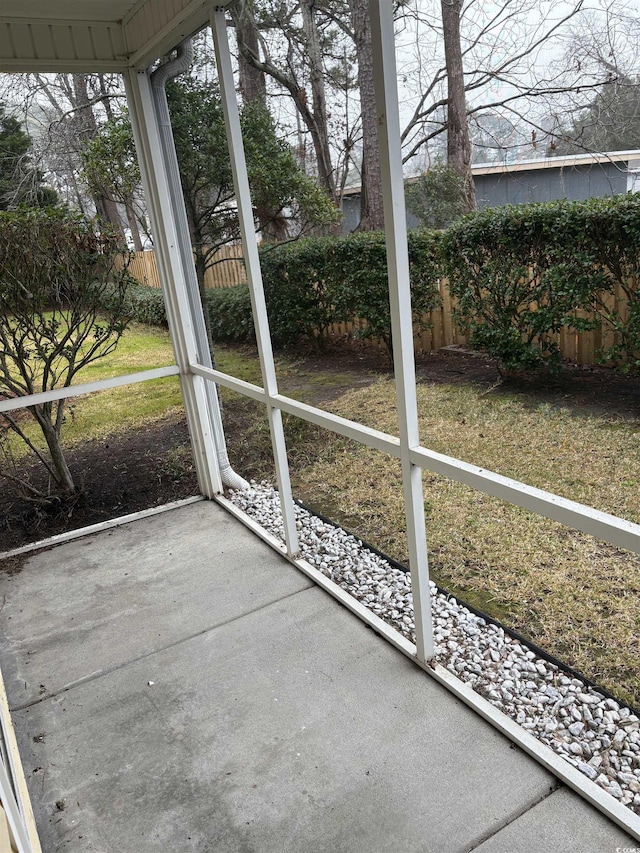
(441, 331)
(227, 270)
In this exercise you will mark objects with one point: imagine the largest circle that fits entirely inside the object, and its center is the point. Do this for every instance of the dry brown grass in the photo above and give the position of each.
(576, 596)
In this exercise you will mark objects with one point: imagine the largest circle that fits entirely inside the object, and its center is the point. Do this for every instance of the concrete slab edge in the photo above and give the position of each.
(60, 538)
(544, 755)
(16, 772)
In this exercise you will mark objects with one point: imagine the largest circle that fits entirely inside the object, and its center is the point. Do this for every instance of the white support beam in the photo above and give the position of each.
(142, 112)
(603, 525)
(13, 785)
(386, 92)
(11, 810)
(334, 423)
(254, 273)
(87, 388)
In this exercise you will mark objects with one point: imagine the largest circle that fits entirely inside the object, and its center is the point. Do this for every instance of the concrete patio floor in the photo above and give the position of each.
(177, 686)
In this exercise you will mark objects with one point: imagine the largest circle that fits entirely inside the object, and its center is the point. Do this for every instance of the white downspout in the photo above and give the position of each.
(158, 80)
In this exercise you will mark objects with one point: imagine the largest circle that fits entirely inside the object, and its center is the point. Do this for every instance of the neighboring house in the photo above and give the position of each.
(576, 177)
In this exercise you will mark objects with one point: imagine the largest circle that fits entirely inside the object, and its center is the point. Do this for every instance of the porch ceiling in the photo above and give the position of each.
(94, 35)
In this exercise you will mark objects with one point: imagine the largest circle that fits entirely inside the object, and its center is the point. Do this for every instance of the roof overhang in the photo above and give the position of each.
(571, 161)
(95, 35)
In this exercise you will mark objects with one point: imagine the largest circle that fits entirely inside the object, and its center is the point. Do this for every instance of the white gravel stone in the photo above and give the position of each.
(587, 770)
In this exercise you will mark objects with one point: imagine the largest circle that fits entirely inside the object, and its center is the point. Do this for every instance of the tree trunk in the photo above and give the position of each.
(86, 129)
(314, 117)
(371, 206)
(64, 480)
(253, 86)
(458, 140)
(107, 212)
(320, 130)
(133, 226)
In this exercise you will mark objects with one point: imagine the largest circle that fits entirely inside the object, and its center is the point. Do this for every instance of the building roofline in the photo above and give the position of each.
(567, 162)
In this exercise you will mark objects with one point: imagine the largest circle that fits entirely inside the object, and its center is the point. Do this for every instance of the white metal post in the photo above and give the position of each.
(14, 818)
(155, 182)
(254, 274)
(386, 91)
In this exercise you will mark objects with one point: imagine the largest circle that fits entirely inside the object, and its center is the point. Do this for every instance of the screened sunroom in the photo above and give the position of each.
(186, 679)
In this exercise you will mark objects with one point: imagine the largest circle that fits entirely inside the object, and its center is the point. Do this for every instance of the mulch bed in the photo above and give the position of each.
(122, 474)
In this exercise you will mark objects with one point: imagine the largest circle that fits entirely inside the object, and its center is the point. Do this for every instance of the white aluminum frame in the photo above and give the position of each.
(407, 446)
(87, 388)
(610, 528)
(254, 273)
(395, 220)
(156, 184)
(14, 795)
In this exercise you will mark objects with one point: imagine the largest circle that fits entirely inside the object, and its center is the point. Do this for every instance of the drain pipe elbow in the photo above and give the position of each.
(168, 70)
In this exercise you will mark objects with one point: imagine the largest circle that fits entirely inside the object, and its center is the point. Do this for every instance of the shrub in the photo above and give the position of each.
(357, 267)
(230, 314)
(609, 238)
(146, 305)
(520, 274)
(300, 299)
(437, 197)
(63, 306)
(313, 283)
(229, 311)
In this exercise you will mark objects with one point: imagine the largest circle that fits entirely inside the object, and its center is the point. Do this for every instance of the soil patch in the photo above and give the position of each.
(590, 389)
(124, 473)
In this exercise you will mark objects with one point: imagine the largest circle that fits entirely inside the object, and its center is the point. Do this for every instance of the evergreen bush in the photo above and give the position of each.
(522, 273)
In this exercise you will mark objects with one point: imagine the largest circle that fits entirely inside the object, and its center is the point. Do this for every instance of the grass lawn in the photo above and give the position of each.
(577, 597)
(119, 409)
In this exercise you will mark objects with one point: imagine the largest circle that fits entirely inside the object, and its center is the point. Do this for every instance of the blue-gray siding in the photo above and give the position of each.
(574, 183)
(528, 185)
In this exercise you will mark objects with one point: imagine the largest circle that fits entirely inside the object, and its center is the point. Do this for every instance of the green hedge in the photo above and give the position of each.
(229, 311)
(310, 284)
(357, 265)
(298, 291)
(146, 305)
(313, 283)
(520, 275)
(230, 314)
(520, 272)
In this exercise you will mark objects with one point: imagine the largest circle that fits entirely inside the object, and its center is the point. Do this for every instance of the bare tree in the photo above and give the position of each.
(62, 307)
(509, 72)
(300, 47)
(477, 60)
(253, 85)
(68, 110)
(606, 46)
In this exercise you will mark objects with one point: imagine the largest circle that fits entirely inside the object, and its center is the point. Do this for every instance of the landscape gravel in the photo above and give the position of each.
(594, 733)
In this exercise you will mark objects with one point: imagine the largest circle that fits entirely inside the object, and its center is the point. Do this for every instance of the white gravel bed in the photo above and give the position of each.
(595, 734)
